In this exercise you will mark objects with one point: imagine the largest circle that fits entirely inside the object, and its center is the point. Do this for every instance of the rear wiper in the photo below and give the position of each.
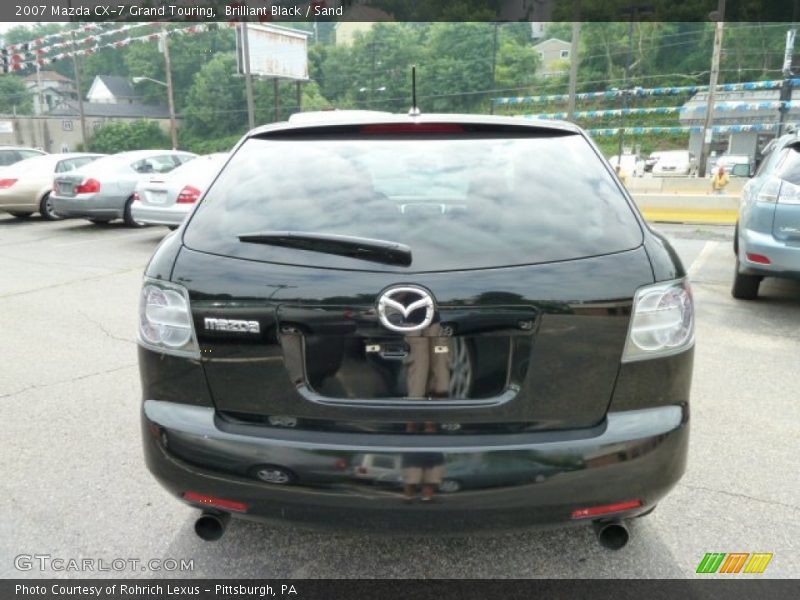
(381, 251)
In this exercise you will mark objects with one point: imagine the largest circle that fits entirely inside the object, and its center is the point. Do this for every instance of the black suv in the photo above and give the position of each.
(425, 323)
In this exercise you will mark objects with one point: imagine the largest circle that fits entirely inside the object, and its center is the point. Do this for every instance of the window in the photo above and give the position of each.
(458, 203)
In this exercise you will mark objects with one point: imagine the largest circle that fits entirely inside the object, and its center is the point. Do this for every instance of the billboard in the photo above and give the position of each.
(275, 52)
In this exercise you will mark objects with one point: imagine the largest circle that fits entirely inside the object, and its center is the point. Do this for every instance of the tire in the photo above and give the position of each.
(745, 287)
(128, 217)
(20, 215)
(46, 209)
(736, 239)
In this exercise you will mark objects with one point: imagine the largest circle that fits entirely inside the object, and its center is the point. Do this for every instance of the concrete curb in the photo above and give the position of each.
(689, 208)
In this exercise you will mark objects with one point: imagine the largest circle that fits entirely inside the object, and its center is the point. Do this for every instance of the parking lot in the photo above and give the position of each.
(74, 483)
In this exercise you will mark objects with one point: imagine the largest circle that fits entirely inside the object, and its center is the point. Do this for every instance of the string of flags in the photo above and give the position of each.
(655, 91)
(18, 62)
(755, 127)
(665, 110)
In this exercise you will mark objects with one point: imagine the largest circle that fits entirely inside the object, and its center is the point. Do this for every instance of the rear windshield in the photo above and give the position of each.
(458, 203)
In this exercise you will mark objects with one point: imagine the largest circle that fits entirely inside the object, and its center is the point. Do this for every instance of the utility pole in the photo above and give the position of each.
(77, 70)
(248, 80)
(573, 65)
(708, 132)
(495, 25)
(173, 126)
(786, 87)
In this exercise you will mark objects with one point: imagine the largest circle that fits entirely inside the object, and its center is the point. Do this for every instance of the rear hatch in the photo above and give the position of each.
(520, 238)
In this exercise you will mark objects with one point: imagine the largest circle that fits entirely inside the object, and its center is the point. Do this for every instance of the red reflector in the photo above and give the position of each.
(189, 195)
(215, 502)
(606, 509)
(758, 258)
(413, 128)
(7, 183)
(90, 186)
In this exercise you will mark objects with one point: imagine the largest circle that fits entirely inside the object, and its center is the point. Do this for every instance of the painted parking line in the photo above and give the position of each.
(702, 258)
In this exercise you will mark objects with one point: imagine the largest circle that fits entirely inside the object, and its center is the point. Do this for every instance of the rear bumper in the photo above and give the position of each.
(88, 207)
(159, 215)
(503, 481)
(784, 258)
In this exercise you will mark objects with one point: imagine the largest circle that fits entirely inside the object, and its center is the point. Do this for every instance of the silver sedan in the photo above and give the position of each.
(103, 190)
(168, 200)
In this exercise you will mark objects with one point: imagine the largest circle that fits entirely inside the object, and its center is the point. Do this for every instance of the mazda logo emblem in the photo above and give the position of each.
(406, 309)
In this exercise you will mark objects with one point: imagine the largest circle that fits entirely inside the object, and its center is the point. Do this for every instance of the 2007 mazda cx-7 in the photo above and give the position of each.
(421, 323)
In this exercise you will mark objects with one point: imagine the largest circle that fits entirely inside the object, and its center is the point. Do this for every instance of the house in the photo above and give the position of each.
(112, 89)
(55, 89)
(553, 56)
(753, 111)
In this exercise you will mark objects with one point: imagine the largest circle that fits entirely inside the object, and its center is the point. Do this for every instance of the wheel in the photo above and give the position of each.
(100, 221)
(46, 209)
(274, 475)
(128, 217)
(745, 287)
(736, 239)
(20, 215)
(450, 486)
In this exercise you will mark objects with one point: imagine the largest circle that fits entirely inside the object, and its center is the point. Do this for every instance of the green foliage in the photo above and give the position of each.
(128, 135)
(14, 96)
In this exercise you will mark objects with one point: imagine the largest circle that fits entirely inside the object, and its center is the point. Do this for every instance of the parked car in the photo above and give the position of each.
(736, 165)
(675, 163)
(13, 154)
(25, 186)
(167, 200)
(103, 190)
(632, 164)
(651, 161)
(313, 295)
(767, 234)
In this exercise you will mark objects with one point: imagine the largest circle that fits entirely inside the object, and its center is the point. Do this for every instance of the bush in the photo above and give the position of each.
(132, 135)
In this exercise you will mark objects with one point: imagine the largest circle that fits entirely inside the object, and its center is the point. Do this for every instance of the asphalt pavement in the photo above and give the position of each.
(74, 484)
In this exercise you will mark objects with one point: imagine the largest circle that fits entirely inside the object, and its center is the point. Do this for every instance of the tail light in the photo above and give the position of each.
(662, 321)
(189, 195)
(7, 183)
(165, 319)
(89, 186)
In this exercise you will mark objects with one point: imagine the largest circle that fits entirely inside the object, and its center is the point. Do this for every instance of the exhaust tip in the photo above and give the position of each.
(211, 526)
(613, 535)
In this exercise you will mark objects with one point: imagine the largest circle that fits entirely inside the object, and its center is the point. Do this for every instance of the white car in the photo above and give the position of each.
(167, 200)
(675, 163)
(632, 164)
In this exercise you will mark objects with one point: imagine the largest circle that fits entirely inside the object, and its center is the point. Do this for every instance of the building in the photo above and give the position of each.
(756, 108)
(55, 89)
(553, 56)
(112, 89)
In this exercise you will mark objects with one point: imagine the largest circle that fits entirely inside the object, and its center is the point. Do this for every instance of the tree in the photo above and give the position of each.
(134, 135)
(215, 103)
(14, 96)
